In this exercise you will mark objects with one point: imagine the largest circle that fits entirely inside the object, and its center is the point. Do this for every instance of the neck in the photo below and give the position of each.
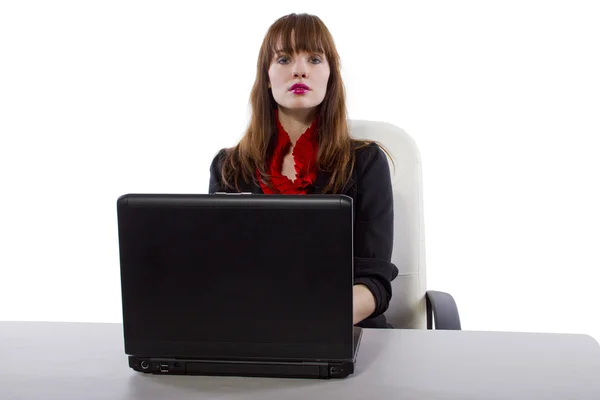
(296, 122)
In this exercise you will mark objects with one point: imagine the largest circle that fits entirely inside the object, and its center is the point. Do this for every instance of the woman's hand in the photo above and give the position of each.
(363, 303)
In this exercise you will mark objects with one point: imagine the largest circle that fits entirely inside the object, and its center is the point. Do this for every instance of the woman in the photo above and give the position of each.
(297, 142)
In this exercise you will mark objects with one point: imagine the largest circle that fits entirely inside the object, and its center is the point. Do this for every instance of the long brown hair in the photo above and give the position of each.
(294, 33)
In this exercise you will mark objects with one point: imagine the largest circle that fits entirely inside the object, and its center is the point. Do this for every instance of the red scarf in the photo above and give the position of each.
(305, 157)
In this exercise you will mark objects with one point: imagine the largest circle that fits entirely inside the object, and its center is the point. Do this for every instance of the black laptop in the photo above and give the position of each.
(238, 284)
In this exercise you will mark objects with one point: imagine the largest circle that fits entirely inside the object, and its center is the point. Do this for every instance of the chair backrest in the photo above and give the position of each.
(407, 308)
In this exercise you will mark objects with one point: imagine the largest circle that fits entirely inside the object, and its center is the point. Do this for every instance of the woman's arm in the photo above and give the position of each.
(363, 303)
(373, 234)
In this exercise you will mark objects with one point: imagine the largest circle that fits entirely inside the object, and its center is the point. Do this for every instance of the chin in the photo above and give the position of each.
(301, 105)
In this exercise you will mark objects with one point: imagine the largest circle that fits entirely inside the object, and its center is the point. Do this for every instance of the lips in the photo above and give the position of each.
(299, 86)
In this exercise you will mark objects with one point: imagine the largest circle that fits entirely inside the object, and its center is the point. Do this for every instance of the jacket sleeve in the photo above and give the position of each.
(215, 182)
(374, 226)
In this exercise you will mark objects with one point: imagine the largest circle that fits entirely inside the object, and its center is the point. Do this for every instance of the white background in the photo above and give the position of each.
(101, 98)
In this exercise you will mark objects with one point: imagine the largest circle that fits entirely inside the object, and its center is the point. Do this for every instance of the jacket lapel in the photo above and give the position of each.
(321, 180)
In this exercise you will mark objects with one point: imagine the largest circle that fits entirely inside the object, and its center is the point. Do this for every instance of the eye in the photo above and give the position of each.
(283, 60)
(315, 60)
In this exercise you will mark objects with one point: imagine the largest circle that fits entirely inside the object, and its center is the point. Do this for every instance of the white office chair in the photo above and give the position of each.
(411, 306)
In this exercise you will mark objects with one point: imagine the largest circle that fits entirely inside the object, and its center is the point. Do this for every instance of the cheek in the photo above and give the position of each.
(277, 81)
(272, 77)
(324, 79)
(276, 77)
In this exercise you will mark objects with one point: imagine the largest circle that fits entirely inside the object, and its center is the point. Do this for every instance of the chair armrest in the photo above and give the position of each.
(444, 310)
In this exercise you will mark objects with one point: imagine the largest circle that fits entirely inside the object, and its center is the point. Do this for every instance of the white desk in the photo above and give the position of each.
(64, 361)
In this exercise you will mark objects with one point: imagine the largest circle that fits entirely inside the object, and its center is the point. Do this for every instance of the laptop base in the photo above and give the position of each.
(315, 370)
(250, 368)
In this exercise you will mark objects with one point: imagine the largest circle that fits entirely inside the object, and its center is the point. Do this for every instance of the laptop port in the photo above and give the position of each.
(164, 367)
(145, 364)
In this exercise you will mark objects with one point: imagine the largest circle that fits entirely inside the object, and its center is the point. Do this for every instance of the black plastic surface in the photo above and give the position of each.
(442, 309)
(317, 370)
(237, 200)
(217, 276)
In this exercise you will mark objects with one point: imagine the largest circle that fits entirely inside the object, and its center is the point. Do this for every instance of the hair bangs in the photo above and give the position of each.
(298, 33)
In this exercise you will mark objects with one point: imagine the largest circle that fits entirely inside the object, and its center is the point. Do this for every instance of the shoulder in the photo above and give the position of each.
(220, 155)
(218, 159)
(216, 168)
(368, 155)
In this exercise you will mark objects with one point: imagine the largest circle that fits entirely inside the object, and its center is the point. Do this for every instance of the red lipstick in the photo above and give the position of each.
(299, 88)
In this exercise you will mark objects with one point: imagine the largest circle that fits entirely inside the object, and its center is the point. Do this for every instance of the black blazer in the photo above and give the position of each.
(371, 190)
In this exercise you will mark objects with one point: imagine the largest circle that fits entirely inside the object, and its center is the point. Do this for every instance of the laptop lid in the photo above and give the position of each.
(237, 276)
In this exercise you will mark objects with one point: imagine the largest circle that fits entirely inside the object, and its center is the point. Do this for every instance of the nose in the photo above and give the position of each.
(298, 74)
(300, 68)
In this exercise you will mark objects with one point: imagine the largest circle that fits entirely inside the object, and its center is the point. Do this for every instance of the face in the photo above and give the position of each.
(299, 81)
